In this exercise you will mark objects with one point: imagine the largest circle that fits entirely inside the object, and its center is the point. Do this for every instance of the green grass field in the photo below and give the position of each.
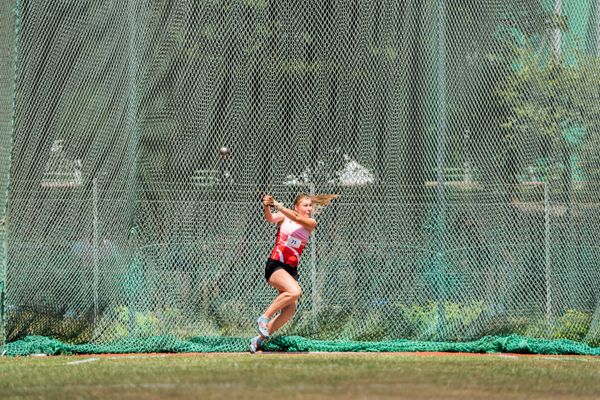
(301, 376)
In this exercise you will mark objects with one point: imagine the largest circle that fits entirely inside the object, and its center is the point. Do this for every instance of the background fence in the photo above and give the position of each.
(463, 138)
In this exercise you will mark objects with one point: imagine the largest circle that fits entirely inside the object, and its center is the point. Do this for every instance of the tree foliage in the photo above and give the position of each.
(553, 111)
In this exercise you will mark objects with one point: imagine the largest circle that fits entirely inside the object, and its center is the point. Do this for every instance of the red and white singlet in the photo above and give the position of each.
(291, 240)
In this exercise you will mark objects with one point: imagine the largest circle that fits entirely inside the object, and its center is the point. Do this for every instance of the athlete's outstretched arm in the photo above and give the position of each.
(275, 218)
(308, 223)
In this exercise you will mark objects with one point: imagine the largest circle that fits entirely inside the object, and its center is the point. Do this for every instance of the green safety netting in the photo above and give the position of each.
(42, 345)
(463, 137)
(161, 344)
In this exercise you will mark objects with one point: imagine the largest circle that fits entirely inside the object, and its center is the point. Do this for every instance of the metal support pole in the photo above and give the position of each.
(440, 164)
(547, 256)
(95, 250)
(313, 270)
(7, 189)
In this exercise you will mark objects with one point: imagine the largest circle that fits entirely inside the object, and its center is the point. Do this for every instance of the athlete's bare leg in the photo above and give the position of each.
(289, 292)
(286, 314)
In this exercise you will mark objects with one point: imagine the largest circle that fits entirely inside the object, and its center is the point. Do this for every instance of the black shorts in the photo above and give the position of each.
(274, 265)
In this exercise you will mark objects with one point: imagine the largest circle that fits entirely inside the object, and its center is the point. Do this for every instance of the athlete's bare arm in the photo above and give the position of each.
(307, 222)
(272, 218)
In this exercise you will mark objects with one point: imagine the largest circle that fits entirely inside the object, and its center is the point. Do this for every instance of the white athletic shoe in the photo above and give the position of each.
(263, 326)
(255, 344)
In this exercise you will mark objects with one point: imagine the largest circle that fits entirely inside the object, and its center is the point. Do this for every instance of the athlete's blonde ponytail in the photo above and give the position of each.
(318, 200)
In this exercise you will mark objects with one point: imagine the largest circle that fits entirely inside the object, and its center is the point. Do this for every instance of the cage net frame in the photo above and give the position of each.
(462, 138)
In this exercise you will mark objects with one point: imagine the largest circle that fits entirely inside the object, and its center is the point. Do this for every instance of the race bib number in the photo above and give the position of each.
(293, 242)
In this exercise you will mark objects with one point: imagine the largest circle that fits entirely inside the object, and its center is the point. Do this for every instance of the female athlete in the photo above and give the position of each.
(295, 226)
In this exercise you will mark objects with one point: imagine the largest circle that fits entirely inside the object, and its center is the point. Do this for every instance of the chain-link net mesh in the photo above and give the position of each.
(463, 138)
(7, 82)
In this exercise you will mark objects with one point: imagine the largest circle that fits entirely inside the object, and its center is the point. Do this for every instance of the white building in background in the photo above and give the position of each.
(351, 175)
(60, 171)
